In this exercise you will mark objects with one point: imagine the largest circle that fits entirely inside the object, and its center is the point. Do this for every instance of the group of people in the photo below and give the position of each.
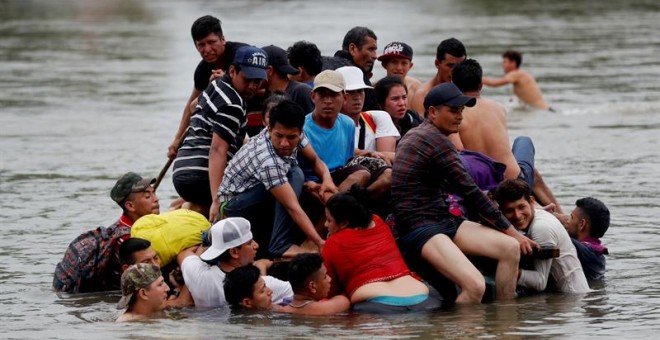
(347, 194)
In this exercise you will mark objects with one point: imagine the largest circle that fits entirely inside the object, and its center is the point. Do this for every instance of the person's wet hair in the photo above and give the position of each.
(596, 213)
(351, 206)
(384, 86)
(130, 246)
(358, 36)
(239, 284)
(467, 75)
(204, 26)
(452, 46)
(272, 100)
(511, 190)
(302, 269)
(288, 113)
(306, 55)
(513, 55)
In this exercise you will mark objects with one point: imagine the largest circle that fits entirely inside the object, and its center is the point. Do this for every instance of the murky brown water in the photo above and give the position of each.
(91, 89)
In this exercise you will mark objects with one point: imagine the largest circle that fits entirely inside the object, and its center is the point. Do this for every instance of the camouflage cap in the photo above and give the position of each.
(136, 277)
(129, 183)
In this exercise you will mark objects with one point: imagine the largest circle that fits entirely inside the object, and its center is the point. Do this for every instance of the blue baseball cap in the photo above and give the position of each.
(447, 94)
(253, 62)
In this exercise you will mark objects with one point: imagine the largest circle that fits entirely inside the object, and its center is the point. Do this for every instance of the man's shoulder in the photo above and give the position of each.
(296, 86)
(486, 109)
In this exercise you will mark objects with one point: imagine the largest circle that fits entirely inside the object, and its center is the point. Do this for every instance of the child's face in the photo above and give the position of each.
(261, 296)
(322, 281)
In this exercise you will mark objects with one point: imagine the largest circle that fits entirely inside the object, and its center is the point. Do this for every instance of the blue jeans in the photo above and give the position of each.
(523, 152)
(284, 230)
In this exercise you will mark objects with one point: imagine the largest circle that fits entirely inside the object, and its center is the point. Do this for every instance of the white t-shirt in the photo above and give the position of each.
(384, 128)
(205, 283)
(566, 271)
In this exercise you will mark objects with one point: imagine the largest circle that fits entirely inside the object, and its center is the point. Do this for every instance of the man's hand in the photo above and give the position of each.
(214, 211)
(327, 189)
(216, 74)
(526, 244)
(263, 265)
(313, 189)
(173, 148)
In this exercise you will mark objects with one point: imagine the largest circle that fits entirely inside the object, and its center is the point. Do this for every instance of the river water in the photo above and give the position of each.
(92, 89)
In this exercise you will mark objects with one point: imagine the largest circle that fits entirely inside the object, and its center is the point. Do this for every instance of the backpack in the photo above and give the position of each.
(86, 263)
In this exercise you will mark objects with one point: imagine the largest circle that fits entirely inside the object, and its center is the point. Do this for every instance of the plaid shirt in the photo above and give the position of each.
(426, 169)
(257, 163)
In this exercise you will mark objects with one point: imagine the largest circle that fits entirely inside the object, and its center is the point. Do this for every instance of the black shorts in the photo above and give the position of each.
(193, 186)
(414, 240)
(340, 175)
(376, 166)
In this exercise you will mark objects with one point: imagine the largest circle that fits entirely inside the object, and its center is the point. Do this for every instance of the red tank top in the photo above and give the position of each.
(355, 257)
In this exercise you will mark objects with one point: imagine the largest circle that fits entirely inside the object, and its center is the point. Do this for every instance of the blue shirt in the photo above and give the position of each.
(335, 146)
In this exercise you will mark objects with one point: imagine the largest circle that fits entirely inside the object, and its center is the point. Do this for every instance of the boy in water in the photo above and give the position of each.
(311, 285)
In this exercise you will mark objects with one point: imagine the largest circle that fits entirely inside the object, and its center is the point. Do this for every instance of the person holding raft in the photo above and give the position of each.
(363, 261)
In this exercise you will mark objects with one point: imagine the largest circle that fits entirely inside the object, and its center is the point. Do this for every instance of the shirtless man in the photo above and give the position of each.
(397, 61)
(484, 129)
(449, 53)
(524, 85)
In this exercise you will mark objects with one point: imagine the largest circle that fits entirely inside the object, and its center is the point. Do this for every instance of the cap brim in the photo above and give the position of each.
(211, 254)
(251, 72)
(393, 55)
(359, 87)
(287, 69)
(331, 87)
(462, 100)
(123, 302)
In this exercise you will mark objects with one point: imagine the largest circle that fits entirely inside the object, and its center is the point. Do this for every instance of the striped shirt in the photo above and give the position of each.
(220, 110)
(257, 163)
(427, 168)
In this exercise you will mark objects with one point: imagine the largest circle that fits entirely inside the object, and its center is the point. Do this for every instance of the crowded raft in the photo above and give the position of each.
(304, 188)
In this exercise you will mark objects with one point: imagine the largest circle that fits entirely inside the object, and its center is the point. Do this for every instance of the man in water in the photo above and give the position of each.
(586, 224)
(143, 292)
(524, 85)
(564, 271)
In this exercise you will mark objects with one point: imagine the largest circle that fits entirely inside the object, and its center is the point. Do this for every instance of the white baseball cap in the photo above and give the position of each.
(226, 234)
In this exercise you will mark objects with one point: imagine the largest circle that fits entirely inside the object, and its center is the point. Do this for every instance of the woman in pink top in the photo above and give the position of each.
(364, 262)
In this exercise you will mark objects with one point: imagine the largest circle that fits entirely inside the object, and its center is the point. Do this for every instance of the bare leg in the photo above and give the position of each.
(448, 259)
(542, 192)
(381, 186)
(476, 239)
(361, 178)
(295, 250)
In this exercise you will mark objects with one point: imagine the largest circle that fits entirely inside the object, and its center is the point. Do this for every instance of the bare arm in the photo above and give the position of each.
(386, 144)
(508, 78)
(418, 101)
(321, 170)
(334, 305)
(217, 165)
(455, 139)
(287, 197)
(183, 125)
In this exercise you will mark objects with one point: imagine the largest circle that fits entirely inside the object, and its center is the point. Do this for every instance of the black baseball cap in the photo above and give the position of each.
(278, 58)
(448, 94)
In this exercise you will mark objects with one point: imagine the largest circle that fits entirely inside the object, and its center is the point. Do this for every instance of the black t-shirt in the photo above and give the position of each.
(300, 93)
(204, 69)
